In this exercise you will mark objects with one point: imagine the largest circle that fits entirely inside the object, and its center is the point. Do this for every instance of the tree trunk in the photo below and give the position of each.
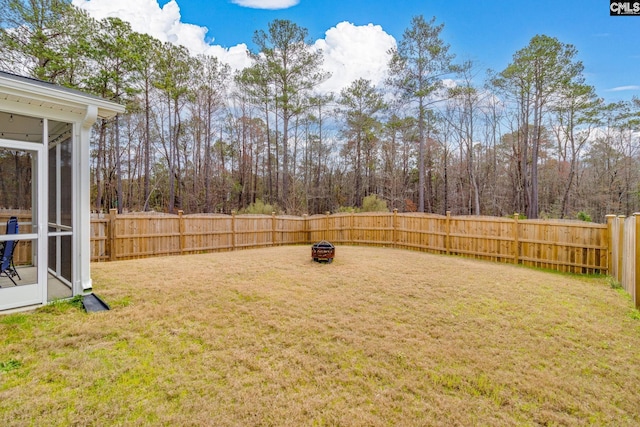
(147, 144)
(100, 163)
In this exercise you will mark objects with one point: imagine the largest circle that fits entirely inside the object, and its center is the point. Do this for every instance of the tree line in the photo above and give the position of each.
(436, 136)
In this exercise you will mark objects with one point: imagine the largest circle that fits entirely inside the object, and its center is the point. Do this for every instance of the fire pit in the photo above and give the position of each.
(323, 251)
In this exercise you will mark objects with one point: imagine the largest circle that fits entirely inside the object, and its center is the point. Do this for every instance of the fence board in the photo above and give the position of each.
(628, 274)
(204, 233)
(99, 239)
(624, 257)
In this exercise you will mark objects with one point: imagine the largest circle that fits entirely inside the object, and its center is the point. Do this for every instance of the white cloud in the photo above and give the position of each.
(236, 56)
(146, 16)
(352, 52)
(624, 88)
(267, 4)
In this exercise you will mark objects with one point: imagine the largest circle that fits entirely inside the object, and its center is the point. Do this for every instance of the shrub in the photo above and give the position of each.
(371, 203)
(259, 207)
(583, 216)
(347, 209)
(410, 206)
(520, 216)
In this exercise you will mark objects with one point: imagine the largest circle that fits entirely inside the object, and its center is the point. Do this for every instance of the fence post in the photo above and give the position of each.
(326, 225)
(636, 260)
(447, 237)
(181, 230)
(351, 233)
(305, 229)
(621, 254)
(516, 239)
(273, 228)
(610, 242)
(395, 227)
(233, 230)
(112, 234)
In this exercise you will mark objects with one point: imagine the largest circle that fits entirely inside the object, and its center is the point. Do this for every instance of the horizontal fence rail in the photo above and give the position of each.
(567, 246)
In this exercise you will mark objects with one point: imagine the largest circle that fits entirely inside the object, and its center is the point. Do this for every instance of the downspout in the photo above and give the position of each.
(83, 203)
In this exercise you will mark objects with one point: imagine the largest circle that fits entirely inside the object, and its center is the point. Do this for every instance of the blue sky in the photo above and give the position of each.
(488, 32)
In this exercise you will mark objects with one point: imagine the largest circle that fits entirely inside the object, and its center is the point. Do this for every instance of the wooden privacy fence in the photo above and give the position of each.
(142, 235)
(568, 246)
(625, 256)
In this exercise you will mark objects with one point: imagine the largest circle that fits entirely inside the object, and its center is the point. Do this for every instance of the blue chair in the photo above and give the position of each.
(6, 262)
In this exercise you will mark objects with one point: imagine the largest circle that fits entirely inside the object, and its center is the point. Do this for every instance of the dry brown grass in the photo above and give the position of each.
(379, 337)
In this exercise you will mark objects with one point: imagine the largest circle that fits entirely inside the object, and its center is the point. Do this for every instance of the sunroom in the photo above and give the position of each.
(45, 187)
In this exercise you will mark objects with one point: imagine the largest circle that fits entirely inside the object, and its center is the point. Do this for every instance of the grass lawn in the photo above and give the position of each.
(380, 337)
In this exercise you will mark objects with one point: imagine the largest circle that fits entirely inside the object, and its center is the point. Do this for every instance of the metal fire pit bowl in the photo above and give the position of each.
(323, 251)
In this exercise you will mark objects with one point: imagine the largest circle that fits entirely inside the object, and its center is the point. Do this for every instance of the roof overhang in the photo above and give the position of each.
(24, 95)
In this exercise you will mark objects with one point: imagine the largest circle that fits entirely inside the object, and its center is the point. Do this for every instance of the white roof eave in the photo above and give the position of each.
(44, 95)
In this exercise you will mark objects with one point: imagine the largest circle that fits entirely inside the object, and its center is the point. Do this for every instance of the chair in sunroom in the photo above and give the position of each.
(6, 261)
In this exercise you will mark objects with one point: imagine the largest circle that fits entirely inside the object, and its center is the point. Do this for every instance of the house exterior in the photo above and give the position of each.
(45, 179)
